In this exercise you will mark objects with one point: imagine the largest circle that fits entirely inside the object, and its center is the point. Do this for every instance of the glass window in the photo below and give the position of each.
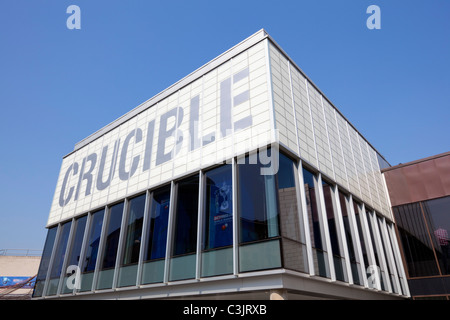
(183, 263)
(319, 252)
(45, 260)
(356, 207)
(390, 271)
(333, 229)
(58, 260)
(217, 255)
(108, 261)
(156, 242)
(132, 242)
(88, 268)
(257, 203)
(258, 216)
(378, 251)
(397, 259)
(415, 241)
(75, 249)
(293, 239)
(437, 212)
(351, 245)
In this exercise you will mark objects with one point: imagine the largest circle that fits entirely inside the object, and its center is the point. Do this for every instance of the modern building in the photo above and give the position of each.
(240, 181)
(420, 196)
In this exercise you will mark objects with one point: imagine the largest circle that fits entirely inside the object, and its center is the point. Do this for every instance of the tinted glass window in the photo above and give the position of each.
(313, 214)
(58, 259)
(155, 252)
(415, 241)
(92, 246)
(185, 235)
(438, 217)
(134, 230)
(75, 248)
(157, 231)
(293, 240)
(257, 203)
(45, 260)
(218, 224)
(354, 261)
(111, 244)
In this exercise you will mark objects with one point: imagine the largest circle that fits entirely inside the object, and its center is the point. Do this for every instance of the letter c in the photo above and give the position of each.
(62, 201)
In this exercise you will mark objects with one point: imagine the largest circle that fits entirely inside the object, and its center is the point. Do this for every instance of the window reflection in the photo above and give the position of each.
(258, 216)
(108, 262)
(132, 242)
(319, 252)
(217, 257)
(351, 245)
(58, 260)
(155, 252)
(75, 248)
(183, 260)
(293, 240)
(437, 212)
(87, 270)
(333, 229)
(45, 260)
(415, 240)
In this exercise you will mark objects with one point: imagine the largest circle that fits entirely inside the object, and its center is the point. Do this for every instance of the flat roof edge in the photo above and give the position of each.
(401, 165)
(199, 72)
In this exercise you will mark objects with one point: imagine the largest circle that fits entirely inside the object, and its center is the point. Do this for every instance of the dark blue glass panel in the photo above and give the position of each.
(185, 234)
(257, 203)
(45, 260)
(134, 230)
(95, 231)
(157, 231)
(112, 236)
(219, 209)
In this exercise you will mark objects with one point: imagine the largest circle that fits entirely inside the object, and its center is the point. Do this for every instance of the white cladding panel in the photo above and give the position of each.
(312, 128)
(221, 114)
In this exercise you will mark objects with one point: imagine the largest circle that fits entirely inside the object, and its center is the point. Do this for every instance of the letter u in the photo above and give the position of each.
(100, 184)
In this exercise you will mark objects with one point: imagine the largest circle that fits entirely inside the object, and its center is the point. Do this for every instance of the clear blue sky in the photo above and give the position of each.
(57, 86)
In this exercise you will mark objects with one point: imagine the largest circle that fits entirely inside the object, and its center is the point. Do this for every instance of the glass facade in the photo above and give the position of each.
(223, 221)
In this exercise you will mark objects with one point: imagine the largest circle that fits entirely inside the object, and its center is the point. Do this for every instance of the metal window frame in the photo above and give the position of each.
(52, 258)
(66, 256)
(144, 235)
(389, 255)
(341, 234)
(372, 219)
(398, 259)
(357, 238)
